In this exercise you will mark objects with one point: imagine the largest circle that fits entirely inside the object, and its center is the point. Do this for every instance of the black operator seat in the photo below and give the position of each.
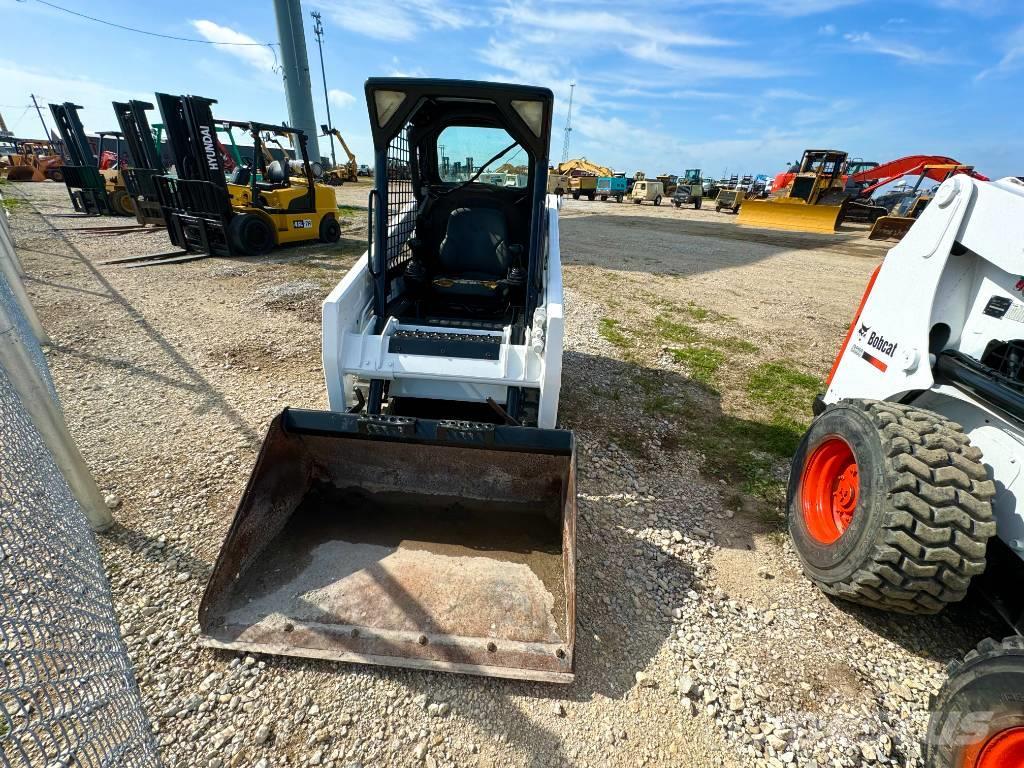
(475, 257)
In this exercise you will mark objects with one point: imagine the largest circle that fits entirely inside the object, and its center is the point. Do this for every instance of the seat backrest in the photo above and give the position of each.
(275, 173)
(475, 242)
(241, 175)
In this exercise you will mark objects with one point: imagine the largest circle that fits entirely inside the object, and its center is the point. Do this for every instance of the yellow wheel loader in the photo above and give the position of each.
(815, 200)
(33, 161)
(261, 207)
(428, 519)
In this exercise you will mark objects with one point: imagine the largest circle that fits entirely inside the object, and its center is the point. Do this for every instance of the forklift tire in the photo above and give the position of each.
(977, 719)
(575, 195)
(889, 506)
(250, 234)
(330, 229)
(618, 198)
(718, 209)
(637, 200)
(677, 204)
(696, 204)
(121, 203)
(657, 200)
(735, 209)
(603, 198)
(591, 197)
(55, 174)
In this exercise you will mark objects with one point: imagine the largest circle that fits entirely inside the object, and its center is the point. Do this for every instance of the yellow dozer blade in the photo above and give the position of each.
(890, 227)
(791, 214)
(404, 542)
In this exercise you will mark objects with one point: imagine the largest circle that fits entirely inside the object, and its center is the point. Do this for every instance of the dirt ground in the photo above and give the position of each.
(693, 349)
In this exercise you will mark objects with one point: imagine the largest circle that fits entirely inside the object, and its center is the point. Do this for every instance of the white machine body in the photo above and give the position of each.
(353, 354)
(953, 288)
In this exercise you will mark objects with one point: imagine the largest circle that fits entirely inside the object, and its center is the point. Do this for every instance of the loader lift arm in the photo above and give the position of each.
(351, 168)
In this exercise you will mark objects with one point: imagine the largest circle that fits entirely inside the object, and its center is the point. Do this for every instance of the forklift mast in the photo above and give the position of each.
(76, 143)
(144, 152)
(192, 136)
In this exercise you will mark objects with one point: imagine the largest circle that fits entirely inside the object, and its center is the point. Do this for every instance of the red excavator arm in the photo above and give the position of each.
(911, 165)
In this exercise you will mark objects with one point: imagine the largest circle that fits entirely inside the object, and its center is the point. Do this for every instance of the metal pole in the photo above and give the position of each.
(296, 69)
(318, 30)
(48, 420)
(46, 131)
(11, 271)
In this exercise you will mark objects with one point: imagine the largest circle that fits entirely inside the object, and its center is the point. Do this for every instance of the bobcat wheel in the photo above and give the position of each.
(250, 235)
(977, 719)
(657, 200)
(696, 204)
(55, 174)
(718, 209)
(121, 203)
(889, 506)
(330, 229)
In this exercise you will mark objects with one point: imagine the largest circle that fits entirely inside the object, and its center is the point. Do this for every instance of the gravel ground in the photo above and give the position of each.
(699, 641)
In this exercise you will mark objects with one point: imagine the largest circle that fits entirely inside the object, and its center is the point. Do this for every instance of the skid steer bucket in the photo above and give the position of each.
(390, 540)
(890, 227)
(791, 214)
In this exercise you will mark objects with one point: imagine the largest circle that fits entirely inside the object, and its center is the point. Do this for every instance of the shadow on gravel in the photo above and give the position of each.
(673, 245)
(192, 379)
(654, 412)
(942, 637)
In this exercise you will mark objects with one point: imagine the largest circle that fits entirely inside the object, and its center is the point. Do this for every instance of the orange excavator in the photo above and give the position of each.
(906, 205)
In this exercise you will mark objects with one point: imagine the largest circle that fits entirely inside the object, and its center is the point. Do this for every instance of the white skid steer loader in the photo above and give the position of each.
(908, 483)
(428, 518)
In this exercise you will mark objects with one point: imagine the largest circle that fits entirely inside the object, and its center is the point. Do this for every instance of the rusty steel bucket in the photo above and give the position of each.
(389, 540)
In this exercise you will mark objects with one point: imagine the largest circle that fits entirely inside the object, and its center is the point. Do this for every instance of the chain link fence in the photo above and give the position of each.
(68, 696)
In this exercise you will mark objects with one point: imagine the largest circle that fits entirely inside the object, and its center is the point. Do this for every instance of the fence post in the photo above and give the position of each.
(48, 419)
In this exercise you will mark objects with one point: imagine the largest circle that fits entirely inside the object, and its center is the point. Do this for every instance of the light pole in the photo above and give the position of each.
(318, 30)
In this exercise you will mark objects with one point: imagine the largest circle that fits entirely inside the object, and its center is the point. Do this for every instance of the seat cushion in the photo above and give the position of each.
(475, 243)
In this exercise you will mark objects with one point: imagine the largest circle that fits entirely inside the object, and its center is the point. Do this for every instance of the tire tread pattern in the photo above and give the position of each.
(939, 515)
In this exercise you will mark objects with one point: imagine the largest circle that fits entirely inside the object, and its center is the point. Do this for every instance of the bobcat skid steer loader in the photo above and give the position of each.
(428, 518)
(908, 483)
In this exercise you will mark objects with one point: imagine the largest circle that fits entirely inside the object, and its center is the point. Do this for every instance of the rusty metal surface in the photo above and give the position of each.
(430, 556)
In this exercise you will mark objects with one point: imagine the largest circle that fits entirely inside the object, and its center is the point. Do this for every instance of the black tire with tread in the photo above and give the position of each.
(981, 696)
(923, 519)
(121, 203)
(330, 230)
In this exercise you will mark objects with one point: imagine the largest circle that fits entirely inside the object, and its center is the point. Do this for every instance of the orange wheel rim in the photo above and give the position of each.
(1004, 749)
(829, 490)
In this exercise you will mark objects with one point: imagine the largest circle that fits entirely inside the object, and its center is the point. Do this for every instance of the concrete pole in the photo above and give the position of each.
(48, 420)
(295, 62)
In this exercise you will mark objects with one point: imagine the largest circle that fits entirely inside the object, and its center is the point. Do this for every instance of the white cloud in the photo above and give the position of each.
(598, 23)
(395, 19)
(827, 30)
(341, 98)
(868, 43)
(250, 51)
(1012, 59)
(788, 94)
(93, 96)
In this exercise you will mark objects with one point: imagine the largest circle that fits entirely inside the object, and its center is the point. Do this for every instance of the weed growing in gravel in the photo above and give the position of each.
(349, 210)
(671, 330)
(10, 203)
(610, 331)
(785, 390)
(732, 344)
(702, 362)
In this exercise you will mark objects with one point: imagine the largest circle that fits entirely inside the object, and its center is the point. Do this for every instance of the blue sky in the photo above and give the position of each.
(737, 85)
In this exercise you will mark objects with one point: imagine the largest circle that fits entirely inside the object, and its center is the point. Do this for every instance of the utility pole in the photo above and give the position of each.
(46, 131)
(568, 125)
(318, 30)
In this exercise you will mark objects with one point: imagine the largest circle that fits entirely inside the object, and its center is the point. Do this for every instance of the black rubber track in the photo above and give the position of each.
(930, 516)
(983, 694)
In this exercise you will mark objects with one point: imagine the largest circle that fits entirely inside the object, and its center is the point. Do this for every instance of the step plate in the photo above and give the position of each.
(440, 344)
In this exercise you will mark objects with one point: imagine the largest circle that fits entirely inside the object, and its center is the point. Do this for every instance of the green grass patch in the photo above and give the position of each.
(732, 344)
(674, 331)
(10, 203)
(611, 331)
(702, 362)
(786, 391)
(349, 210)
(668, 405)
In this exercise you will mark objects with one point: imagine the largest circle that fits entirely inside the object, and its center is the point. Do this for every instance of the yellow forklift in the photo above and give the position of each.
(263, 205)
